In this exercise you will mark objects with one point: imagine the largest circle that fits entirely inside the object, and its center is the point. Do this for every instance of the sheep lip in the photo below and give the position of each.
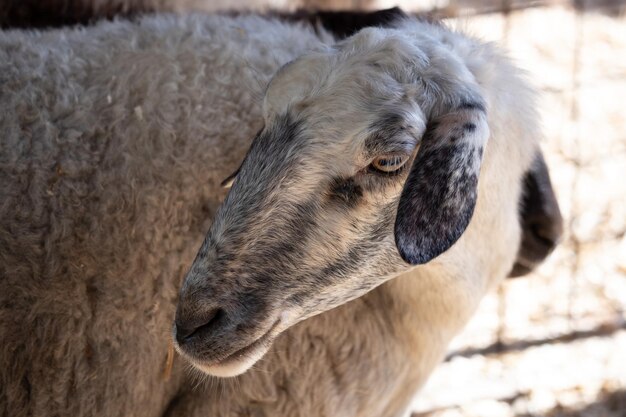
(241, 360)
(252, 346)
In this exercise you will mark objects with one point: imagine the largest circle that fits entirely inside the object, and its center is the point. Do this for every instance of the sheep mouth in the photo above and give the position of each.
(243, 359)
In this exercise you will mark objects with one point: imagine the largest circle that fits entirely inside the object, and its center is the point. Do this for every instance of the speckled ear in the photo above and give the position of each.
(439, 196)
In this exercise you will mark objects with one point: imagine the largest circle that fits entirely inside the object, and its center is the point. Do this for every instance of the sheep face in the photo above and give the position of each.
(368, 163)
(360, 171)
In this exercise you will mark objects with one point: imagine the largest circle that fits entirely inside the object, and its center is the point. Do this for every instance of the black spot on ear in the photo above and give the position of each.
(346, 191)
(469, 127)
(472, 105)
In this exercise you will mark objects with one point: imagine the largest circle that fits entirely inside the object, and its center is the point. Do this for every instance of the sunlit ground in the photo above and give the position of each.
(554, 344)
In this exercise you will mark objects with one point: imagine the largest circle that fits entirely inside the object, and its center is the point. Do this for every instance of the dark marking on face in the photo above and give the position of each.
(347, 191)
(250, 300)
(284, 130)
(272, 156)
(350, 262)
(383, 226)
(346, 264)
(296, 227)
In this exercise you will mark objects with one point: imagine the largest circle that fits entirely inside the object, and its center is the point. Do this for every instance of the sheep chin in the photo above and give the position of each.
(242, 360)
(231, 367)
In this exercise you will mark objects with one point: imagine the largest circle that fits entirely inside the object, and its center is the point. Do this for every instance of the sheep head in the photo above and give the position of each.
(367, 165)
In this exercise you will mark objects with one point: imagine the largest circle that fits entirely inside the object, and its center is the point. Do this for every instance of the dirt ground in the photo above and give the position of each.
(554, 343)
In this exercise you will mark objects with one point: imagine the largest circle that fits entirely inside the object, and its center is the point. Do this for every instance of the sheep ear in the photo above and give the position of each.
(439, 196)
(540, 218)
(228, 181)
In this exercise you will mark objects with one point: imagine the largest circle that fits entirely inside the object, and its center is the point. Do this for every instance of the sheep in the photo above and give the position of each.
(116, 140)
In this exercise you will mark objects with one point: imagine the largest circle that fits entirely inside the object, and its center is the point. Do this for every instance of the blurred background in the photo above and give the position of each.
(552, 343)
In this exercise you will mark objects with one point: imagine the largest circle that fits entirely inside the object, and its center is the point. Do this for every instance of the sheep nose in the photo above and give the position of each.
(188, 327)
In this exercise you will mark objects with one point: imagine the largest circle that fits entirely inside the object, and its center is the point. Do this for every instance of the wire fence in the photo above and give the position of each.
(551, 344)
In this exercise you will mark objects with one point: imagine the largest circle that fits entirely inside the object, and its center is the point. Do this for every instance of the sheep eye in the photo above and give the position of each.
(388, 164)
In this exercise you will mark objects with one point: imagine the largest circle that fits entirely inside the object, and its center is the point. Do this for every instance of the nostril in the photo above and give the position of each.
(183, 333)
(186, 329)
